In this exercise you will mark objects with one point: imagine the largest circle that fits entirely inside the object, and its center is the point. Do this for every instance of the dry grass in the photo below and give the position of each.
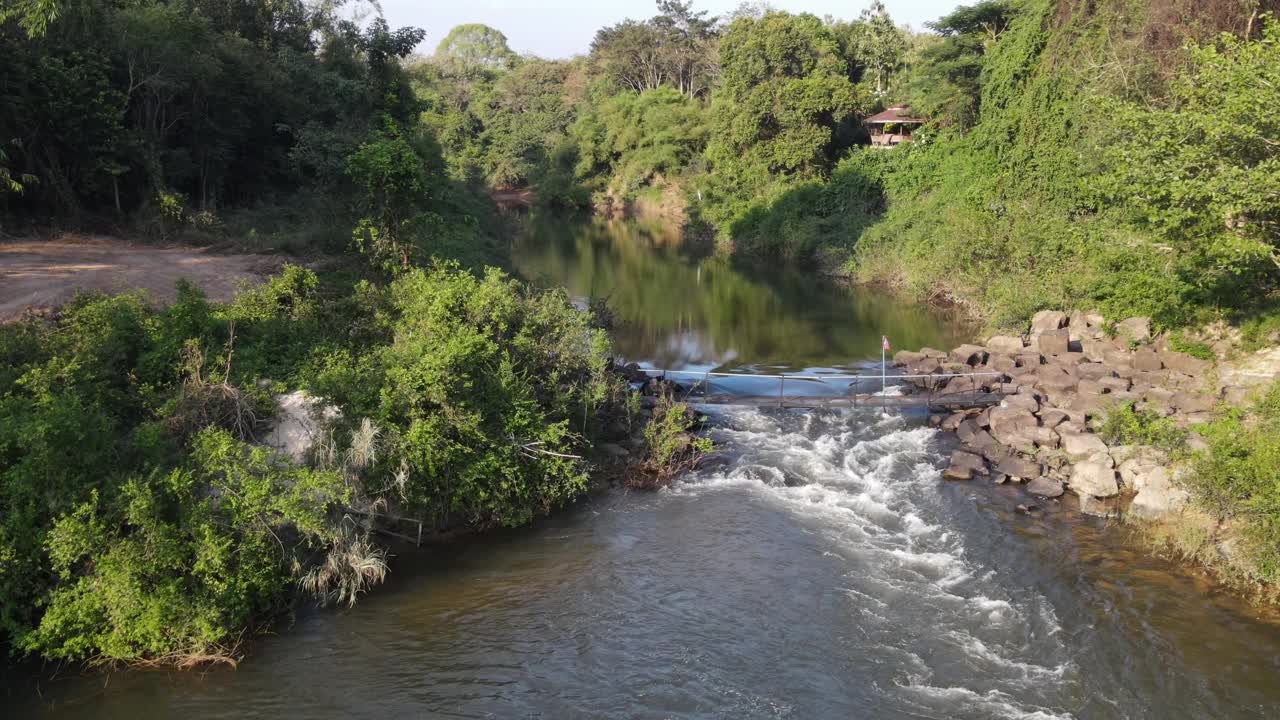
(352, 565)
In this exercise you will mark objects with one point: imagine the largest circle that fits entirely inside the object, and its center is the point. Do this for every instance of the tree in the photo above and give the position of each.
(946, 81)
(676, 47)
(474, 50)
(784, 92)
(882, 44)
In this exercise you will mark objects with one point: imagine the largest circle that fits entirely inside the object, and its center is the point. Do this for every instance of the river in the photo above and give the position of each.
(825, 572)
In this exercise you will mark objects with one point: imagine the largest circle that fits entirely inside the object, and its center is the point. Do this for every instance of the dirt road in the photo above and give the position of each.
(47, 273)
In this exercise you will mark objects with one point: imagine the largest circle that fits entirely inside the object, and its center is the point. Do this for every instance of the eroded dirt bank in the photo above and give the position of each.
(43, 274)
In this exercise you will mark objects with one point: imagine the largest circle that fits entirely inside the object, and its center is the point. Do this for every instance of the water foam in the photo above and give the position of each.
(867, 483)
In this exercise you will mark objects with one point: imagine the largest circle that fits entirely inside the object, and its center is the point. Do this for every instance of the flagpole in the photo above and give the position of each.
(881, 369)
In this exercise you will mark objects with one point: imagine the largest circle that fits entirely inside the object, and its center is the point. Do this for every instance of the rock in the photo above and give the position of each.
(1027, 509)
(1100, 507)
(1192, 402)
(931, 353)
(1006, 344)
(614, 450)
(969, 355)
(1053, 342)
(1115, 384)
(1045, 487)
(935, 420)
(1014, 427)
(1047, 320)
(1046, 438)
(299, 422)
(964, 465)
(1184, 363)
(1028, 359)
(1096, 350)
(993, 451)
(1052, 417)
(1094, 371)
(1018, 467)
(1055, 378)
(1094, 479)
(1196, 442)
(1159, 494)
(1091, 387)
(906, 357)
(1147, 360)
(1022, 402)
(1081, 445)
(1137, 329)
(1001, 363)
(953, 421)
(1138, 473)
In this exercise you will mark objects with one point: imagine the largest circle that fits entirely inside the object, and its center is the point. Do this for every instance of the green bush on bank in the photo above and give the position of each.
(138, 519)
(1238, 478)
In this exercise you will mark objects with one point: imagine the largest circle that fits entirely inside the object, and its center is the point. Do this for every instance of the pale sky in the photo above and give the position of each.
(561, 28)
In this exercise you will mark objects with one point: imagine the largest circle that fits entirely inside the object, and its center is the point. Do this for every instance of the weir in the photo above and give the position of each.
(938, 391)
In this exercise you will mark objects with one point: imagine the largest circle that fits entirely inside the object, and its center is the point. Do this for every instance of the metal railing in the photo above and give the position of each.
(933, 382)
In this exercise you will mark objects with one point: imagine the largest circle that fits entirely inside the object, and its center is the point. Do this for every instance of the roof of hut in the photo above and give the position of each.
(895, 114)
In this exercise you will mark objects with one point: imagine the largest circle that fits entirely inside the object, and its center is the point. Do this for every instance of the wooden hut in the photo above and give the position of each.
(893, 126)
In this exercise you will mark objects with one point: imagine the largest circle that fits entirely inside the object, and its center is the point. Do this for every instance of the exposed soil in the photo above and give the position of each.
(44, 274)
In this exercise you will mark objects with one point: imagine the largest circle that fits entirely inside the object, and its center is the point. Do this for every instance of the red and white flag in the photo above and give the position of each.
(884, 342)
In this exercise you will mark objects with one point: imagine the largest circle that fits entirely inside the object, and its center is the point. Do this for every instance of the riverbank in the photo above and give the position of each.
(1125, 421)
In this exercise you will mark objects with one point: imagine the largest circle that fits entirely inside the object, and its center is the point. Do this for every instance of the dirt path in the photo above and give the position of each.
(47, 273)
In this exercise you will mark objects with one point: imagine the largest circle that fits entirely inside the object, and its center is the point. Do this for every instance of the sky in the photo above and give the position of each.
(562, 28)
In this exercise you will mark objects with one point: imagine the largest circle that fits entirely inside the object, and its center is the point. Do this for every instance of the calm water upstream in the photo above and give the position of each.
(826, 572)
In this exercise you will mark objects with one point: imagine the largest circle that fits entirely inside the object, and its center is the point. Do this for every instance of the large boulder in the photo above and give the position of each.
(904, 358)
(1137, 329)
(1045, 487)
(963, 466)
(1081, 445)
(969, 355)
(1047, 320)
(1021, 401)
(1147, 360)
(1095, 479)
(1191, 402)
(1159, 495)
(298, 424)
(1014, 427)
(1184, 363)
(1053, 342)
(1055, 378)
(1019, 467)
(1007, 344)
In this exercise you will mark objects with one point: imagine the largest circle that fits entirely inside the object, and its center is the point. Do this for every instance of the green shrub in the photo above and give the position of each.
(1126, 425)
(1239, 477)
(1179, 343)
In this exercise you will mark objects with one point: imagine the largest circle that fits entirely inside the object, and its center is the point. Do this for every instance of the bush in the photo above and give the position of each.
(1239, 477)
(1126, 425)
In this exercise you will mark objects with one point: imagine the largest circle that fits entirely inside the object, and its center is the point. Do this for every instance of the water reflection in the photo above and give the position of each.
(679, 308)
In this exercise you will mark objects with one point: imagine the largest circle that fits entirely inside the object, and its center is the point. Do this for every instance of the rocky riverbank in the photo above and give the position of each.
(1061, 378)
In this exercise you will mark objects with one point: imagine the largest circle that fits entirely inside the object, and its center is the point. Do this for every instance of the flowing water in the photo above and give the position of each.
(825, 572)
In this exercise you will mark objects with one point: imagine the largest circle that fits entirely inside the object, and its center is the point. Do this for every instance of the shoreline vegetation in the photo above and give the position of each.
(1114, 155)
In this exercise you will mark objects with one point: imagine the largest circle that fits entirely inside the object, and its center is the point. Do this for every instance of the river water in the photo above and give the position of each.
(825, 572)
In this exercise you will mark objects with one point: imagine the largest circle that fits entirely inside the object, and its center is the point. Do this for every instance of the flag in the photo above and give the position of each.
(884, 342)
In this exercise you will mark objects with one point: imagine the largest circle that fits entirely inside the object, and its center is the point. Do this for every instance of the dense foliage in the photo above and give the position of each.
(243, 121)
(1239, 479)
(137, 520)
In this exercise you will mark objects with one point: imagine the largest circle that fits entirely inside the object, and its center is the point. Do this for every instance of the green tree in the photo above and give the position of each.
(472, 51)
(784, 92)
